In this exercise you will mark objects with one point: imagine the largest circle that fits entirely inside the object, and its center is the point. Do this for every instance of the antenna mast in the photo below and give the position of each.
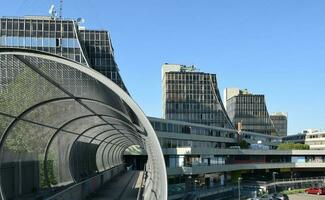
(60, 11)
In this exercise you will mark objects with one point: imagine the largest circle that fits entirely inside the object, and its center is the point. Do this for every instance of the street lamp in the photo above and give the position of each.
(274, 173)
(239, 179)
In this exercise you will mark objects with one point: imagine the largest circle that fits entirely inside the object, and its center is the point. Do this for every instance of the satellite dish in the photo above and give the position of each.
(81, 20)
(52, 11)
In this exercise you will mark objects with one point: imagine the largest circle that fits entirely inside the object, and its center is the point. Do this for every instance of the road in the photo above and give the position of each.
(303, 196)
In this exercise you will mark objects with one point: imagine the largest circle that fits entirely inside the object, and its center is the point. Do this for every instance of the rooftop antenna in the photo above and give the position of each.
(60, 13)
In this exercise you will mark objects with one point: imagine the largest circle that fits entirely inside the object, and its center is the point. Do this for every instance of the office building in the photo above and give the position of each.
(314, 138)
(248, 112)
(192, 96)
(280, 122)
(62, 37)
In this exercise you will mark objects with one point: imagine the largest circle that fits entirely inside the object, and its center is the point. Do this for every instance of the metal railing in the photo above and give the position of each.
(202, 191)
(140, 192)
(88, 186)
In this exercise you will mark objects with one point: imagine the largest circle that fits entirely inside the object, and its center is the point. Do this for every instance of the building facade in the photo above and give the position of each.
(62, 37)
(192, 96)
(280, 122)
(248, 112)
(228, 93)
(206, 160)
(314, 138)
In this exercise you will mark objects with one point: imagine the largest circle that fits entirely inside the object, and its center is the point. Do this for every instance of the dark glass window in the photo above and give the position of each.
(27, 26)
(58, 42)
(3, 25)
(39, 26)
(58, 27)
(52, 27)
(46, 27)
(15, 25)
(21, 26)
(91, 36)
(9, 24)
(65, 27)
(34, 26)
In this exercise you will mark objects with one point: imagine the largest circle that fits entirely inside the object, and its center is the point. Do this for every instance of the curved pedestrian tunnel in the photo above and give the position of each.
(62, 123)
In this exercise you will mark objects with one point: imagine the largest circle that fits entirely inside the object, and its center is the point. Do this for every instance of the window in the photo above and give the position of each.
(3, 25)
(52, 27)
(9, 24)
(58, 42)
(27, 26)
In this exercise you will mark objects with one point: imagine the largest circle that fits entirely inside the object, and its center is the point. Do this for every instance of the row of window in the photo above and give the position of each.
(36, 25)
(176, 128)
(188, 161)
(316, 136)
(45, 34)
(188, 76)
(188, 86)
(195, 160)
(94, 36)
(38, 42)
(315, 142)
(208, 98)
(175, 143)
(192, 107)
(196, 117)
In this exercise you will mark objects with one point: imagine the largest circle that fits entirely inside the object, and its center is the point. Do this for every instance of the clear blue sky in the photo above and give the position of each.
(276, 48)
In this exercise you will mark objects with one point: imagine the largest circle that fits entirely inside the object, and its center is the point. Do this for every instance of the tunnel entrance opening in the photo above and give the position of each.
(136, 162)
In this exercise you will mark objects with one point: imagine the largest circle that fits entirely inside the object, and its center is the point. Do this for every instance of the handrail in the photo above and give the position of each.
(283, 181)
(56, 195)
(126, 186)
(142, 183)
(219, 189)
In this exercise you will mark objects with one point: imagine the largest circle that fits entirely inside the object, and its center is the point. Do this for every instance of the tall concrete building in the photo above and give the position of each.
(280, 121)
(248, 112)
(63, 37)
(192, 96)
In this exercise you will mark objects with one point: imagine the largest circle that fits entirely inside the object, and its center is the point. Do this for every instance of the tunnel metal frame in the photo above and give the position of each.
(145, 137)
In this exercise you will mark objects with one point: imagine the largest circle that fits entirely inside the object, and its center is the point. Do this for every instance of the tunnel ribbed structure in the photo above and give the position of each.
(62, 122)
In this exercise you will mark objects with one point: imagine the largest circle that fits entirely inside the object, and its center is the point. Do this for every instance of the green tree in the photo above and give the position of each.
(293, 146)
(243, 144)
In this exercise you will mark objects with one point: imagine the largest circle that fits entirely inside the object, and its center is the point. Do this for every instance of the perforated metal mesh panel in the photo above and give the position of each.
(59, 125)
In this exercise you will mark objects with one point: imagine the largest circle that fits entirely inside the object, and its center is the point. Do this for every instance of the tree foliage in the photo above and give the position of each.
(243, 144)
(293, 146)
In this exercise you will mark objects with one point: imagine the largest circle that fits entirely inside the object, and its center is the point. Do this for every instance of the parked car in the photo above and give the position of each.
(275, 196)
(318, 191)
(279, 196)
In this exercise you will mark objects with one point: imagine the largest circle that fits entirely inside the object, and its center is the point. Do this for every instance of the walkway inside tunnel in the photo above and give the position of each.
(125, 186)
